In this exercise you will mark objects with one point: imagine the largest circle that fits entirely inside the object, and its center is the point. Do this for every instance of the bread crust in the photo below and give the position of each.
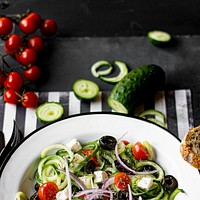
(190, 147)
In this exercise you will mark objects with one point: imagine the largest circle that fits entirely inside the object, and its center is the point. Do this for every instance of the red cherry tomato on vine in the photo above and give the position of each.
(36, 17)
(29, 100)
(33, 73)
(36, 43)
(27, 56)
(122, 180)
(11, 96)
(6, 26)
(14, 80)
(28, 25)
(48, 27)
(11, 53)
(14, 42)
(139, 151)
(47, 191)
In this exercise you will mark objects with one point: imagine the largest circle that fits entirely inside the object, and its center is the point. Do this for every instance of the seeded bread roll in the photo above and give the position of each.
(190, 147)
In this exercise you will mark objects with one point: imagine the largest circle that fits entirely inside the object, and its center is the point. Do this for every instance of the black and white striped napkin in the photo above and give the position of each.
(176, 105)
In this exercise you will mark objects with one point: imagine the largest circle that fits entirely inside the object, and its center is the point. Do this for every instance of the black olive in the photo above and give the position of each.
(90, 166)
(123, 195)
(34, 196)
(119, 167)
(170, 183)
(107, 142)
(36, 187)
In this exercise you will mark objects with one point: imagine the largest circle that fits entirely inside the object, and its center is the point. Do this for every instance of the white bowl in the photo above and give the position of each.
(18, 170)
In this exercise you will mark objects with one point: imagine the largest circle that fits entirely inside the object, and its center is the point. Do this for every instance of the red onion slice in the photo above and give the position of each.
(108, 182)
(75, 178)
(69, 186)
(130, 197)
(125, 166)
(92, 193)
(85, 192)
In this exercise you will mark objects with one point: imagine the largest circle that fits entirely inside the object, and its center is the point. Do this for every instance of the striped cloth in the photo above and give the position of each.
(176, 105)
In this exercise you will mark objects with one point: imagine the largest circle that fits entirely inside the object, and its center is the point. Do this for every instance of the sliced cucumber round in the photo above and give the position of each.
(49, 112)
(85, 89)
(95, 68)
(123, 72)
(159, 37)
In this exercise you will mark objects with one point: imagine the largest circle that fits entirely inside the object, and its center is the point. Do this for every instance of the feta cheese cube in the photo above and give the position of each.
(62, 195)
(74, 145)
(145, 183)
(100, 176)
(88, 181)
(78, 158)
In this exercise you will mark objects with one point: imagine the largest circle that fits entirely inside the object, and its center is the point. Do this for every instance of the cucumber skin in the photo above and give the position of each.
(159, 43)
(137, 84)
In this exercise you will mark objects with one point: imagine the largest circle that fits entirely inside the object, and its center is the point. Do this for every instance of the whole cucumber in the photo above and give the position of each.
(134, 86)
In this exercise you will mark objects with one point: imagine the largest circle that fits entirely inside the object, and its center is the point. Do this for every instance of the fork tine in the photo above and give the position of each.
(17, 134)
(14, 140)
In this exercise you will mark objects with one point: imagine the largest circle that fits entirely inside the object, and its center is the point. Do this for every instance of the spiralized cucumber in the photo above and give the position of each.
(102, 74)
(123, 72)
(95, 68)
(152, 112)
(21, 196)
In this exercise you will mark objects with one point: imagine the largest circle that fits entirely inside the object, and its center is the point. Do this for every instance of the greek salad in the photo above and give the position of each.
(107, 168)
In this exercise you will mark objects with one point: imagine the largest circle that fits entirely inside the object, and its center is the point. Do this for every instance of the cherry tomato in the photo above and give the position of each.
(48, 27)
(27, 56)
(29, 100)
(139, 151)
(36, 43)
(48, 191)
(11, 96)
(28, 25)
(87, 152)
(14, 80)
(6, 26)
(11, 53)
(36, 17)
(125, 142)
(13, 43)
(33, 73)
(122, 180)
(17, 57)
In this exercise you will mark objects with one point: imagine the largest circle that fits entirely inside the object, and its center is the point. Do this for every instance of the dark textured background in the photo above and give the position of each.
(115, 17)
(90, 30)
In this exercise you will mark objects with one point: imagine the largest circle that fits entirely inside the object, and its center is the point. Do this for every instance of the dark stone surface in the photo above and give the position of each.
(90, 30)
(114, 17)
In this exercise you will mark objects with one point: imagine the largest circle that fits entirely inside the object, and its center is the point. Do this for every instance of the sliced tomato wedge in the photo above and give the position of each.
(87, 152)
(139, 151)
(122, 180)
(125, 142)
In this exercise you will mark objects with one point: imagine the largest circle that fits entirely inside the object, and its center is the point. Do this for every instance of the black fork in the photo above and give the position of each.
(15, 139)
